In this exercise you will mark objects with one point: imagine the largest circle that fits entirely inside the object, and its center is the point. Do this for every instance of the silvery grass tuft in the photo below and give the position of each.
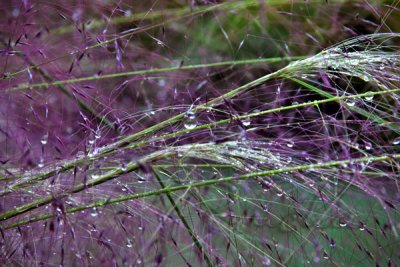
(212, 164)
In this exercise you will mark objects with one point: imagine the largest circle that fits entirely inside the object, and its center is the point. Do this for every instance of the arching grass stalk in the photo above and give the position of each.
(151, 71)
(219, 153)
(83, 186)
(47, 173)
(357, 64)
(170, 189)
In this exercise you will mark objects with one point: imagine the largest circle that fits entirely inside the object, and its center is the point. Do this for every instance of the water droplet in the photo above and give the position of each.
(95, 176)
(190, 120)
(91, 141)
(279, 194)
(15, 12)
(129, 243)
(335, 65)
(128, 13)
(354, 62)
(370, 97)
(123, 167)
(396, 141)
(290, 144)
(365, 78)
(94, 212)
(97, 134)
(44, 139)
(295, 103)
(139, 261)
(246, 122)
(342, 224)
(93, 152)
(351, 103)
(317, 259)
(140, 228)
(324, 178)
(41, 162)
(266, 261)
(368, 146)
(161, 82)
(265, 207)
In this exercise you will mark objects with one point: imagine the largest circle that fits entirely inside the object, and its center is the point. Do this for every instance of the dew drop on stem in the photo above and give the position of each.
(141, 179)
(190, 120)
(396, 141)
(368, 146)
(91, 140)
(290, 143)
(265, 207)
(266, 261)
(44, 139)
(246, 122)
(370, 97)
(97, 134)
(94, 212)
(41, 162)
(123, 167)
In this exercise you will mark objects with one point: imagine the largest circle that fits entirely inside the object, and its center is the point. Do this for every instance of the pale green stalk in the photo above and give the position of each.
(318, 166)
(151, 71)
